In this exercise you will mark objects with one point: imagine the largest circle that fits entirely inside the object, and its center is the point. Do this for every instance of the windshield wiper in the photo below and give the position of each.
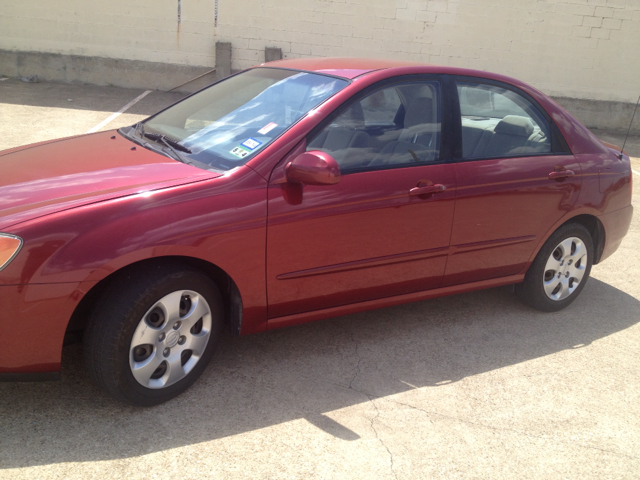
(172, 144)
(163, 138)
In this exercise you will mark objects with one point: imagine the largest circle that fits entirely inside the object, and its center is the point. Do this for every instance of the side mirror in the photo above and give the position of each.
(313, 168)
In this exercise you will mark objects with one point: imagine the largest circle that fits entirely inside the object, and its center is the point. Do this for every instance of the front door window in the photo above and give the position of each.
(392, 127)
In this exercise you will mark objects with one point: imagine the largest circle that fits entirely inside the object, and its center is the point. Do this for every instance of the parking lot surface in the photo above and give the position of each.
(469, 386)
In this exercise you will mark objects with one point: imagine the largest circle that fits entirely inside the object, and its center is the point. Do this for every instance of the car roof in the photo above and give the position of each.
(341, 67)
(351, 68)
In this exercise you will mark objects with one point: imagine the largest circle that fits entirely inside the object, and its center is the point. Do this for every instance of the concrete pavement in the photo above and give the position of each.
(469, 386)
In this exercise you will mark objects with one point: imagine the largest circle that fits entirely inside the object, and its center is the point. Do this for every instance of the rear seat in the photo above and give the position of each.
(512, 135)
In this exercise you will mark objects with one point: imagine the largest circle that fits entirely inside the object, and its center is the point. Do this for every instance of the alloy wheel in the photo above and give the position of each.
(170, 339)
(565, 268)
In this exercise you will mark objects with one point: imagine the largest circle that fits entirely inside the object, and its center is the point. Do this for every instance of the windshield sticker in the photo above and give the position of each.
(251, 144)
(267, 128)
(240, 152)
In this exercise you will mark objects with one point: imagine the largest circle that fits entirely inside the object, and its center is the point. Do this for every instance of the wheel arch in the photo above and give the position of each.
(226, 285)
(588, 220)
(596, 230)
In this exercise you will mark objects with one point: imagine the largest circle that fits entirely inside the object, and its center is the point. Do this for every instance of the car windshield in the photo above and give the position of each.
(225, 125)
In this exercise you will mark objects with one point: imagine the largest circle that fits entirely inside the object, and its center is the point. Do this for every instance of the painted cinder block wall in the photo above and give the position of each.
(581, 49)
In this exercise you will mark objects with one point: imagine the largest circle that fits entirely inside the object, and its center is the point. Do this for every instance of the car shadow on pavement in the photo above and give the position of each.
(304, 372)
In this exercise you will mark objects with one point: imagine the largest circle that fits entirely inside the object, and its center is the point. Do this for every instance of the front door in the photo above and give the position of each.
(384, 229)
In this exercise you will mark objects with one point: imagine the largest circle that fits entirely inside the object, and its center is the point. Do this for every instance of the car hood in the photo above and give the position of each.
(41, 179)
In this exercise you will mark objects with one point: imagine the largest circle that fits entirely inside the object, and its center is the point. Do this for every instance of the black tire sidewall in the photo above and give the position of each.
(531, 290)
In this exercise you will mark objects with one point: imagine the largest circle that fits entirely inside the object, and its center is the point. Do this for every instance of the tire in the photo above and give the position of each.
(152, 333)
(560, 270)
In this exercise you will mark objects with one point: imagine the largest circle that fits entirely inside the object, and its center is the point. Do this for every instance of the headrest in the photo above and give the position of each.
(515, 125)
(353, 116)
(420, 111)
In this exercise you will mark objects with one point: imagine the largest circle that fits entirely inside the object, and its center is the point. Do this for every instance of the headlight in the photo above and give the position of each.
(9, 248)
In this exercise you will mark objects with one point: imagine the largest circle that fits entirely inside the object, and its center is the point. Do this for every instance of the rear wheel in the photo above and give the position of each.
(152, 334)
(560, 270)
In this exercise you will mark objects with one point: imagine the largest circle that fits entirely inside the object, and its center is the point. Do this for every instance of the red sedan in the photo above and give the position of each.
(290, 192)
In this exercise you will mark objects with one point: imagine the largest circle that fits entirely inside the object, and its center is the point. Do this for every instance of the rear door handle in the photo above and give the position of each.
(561, 174)
(427, 189)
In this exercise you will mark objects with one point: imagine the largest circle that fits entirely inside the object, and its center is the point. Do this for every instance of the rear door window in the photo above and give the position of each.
(497, 122)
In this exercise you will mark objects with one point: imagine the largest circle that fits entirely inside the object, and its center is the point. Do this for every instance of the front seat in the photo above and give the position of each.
(344, 139)
(417, 141)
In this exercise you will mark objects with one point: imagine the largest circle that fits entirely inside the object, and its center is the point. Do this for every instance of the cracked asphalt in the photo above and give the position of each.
(469, 386)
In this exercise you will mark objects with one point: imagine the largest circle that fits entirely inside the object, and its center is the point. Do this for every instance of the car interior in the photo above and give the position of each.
(497, 123)
(397, 125)
(401, 125)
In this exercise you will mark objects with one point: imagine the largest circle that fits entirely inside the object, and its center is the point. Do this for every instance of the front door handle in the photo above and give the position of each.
(557, 174)
(427, 189)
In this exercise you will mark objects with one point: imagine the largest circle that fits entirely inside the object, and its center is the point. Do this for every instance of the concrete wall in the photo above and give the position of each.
(57, 67)
(579, 49)
(144, 30)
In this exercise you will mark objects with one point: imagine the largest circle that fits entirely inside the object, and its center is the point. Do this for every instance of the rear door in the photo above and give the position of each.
(516, 178)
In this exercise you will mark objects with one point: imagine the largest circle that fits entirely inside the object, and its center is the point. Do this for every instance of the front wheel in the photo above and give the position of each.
(152, 334)
(560, 270)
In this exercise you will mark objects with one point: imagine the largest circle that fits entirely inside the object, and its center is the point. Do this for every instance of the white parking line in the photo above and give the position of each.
(636, 172)
(119, 112)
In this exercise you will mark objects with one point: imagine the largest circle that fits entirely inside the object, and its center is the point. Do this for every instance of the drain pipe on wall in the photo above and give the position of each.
(223, 51)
